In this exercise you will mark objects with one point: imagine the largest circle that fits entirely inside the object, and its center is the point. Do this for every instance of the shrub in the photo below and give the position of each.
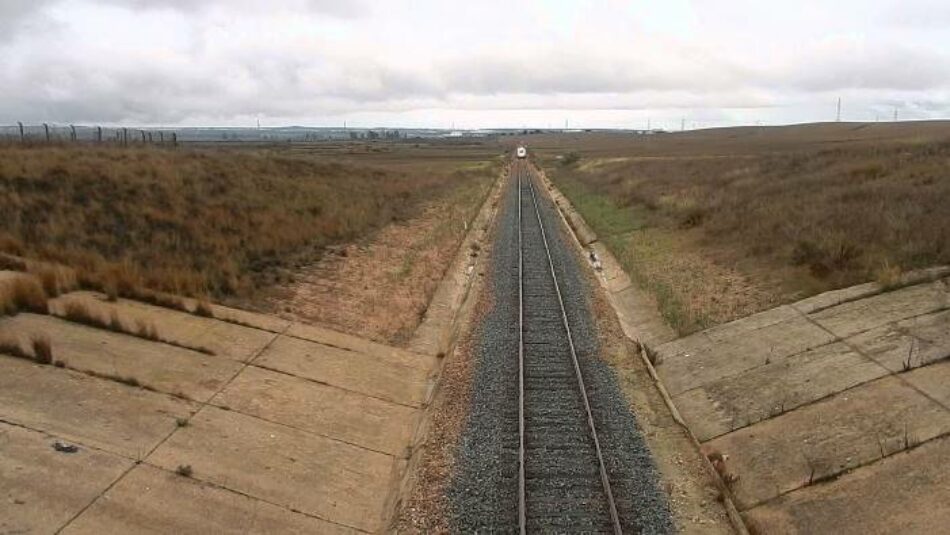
(570, 158)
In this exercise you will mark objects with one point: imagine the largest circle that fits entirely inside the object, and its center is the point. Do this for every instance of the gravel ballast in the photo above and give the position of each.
(483, 494)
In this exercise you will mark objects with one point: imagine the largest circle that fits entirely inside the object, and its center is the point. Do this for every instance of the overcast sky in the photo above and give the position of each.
(471, 63)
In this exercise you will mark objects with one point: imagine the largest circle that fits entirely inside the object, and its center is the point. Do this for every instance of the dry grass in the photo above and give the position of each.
(203, 309)
(23, 294)
(199, 222)
(14, 349)
(80, 312)
(41, 345)
(42, 349)
(784, 216)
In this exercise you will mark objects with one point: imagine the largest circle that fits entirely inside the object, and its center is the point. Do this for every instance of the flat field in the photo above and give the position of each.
(719, 224)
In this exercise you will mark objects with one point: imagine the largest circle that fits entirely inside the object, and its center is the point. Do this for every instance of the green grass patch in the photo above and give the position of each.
(602, 213)
(623, 230)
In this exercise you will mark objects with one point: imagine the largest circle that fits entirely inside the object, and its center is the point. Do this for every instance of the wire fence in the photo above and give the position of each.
(59, 134)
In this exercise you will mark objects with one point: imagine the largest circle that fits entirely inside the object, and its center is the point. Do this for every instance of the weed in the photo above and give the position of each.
(181, 422)
(128, 380)
(13, 349)
(570, 159)
(159, 299)
(146, 329)
(184, 470)
(42, 349)
(79, 312)
(888, 276)
(8, 262)
(203, 309)
(23, 293)
(908, 362)
(115, 323)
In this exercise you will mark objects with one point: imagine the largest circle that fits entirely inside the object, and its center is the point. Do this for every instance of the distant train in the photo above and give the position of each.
(522, 152)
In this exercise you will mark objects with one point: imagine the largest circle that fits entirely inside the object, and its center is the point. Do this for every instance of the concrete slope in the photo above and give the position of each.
(833, 413)
(246, 424)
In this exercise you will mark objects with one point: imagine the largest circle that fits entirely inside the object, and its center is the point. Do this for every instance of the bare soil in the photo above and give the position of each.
(381, 288)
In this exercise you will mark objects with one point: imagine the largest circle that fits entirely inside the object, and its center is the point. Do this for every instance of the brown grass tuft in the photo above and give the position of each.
(23, 293)
(146, 329)
(79, 312)
(888, 276)
(42, 349)
(203, 309)
(55, 279)
(14, 349)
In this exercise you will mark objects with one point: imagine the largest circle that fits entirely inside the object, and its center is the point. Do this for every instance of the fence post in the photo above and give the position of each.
(98, 134)
(125, 137)
(72, 133)
(161, 138)
(22, 135)
(149, 138)
(174, 139)
(46, 128)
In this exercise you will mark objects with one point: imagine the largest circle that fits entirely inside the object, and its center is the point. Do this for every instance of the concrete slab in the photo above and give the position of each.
(853, 293)
(118, 418)
(832, 298)
(821, 440)
(439, 327)
(634, 312)
(350, 370)
(42, 489)
(294, 469)
(325, 410)
(160, 366)
(250, 319)
(933, 381)
(611, 272)
(854, 317)
(395, 355)
(767, 391)
(909, 343)
(225, 339)
(906, 493)
(735, 348)
(150, 500)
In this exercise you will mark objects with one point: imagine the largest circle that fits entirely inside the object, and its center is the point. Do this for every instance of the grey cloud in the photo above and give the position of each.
(17, 16)
(335, 8)
(225, 77)
(893, 67)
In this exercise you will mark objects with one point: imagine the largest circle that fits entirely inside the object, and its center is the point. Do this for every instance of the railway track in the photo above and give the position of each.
(563, 485)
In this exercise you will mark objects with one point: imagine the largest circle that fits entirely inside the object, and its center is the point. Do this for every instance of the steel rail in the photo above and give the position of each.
(614, 517)
(522, 508)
